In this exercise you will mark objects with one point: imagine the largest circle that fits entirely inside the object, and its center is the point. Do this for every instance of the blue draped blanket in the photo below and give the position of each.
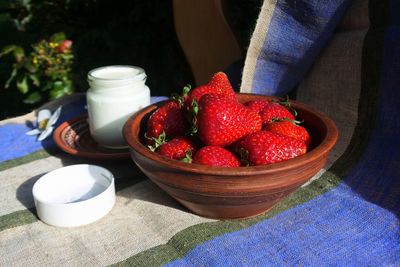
(356, 222)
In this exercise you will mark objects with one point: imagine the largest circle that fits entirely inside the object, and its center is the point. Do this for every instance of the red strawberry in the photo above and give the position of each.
(178, 148)
(290, 128)
(265, 147)
(222, 121)
(219, 84)
(169, 119)
(275, 111)
(257, 105)
(216, 156)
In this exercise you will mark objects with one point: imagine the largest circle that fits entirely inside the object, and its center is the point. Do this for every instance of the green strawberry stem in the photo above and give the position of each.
(244, 156)
(295, 122)
(180, 99)
(286, 104)
(161, 139)
(186, 89)
(188, 157)
(192, 114)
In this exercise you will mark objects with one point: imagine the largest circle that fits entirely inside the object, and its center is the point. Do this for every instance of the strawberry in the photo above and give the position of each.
(219, 84)
(222, 121)
(216, 156)
(265, 147)
(257, 105)
(168, 119)
(178, 148)
(290, 128)
(275, 111)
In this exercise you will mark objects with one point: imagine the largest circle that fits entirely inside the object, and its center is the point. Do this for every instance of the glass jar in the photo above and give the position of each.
(115, 93)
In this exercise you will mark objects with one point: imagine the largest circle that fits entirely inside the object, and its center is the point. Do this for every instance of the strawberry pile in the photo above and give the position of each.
(208, 125)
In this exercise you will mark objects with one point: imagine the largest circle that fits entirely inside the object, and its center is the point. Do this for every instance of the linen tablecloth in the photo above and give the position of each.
(342, 58)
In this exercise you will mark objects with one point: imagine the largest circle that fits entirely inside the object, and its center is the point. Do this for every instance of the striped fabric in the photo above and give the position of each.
(340, 57)
(287, 39)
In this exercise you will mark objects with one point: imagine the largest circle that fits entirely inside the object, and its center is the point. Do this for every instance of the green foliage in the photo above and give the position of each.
(45, 72)
(24, 15)
(105, 32)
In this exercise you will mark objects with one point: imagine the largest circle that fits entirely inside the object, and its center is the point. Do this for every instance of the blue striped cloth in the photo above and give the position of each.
(357, 222)
(15, 143)
(297, 33)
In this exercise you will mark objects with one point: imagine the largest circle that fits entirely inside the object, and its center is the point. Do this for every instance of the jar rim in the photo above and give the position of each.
(138, 75)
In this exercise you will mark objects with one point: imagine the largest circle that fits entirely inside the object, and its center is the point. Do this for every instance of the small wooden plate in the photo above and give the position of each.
(74, 137)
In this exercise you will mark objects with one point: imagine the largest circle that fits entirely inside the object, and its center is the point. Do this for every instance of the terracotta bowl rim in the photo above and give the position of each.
(322, 149)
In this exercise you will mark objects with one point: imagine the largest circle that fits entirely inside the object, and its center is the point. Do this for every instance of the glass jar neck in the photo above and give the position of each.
(120, 76)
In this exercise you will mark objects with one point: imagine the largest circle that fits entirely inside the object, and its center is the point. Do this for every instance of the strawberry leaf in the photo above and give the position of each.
(286, 104)
(186, 90)
(295, 122)
(161, 139)
(188, 157)
(244, 156)
(194, 110)
(195, 107)
(180, 99)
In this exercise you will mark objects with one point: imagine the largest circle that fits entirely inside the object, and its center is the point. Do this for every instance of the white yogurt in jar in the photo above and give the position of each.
(116, 92)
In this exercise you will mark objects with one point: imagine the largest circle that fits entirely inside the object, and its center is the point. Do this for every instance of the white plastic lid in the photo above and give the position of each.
(74, 195)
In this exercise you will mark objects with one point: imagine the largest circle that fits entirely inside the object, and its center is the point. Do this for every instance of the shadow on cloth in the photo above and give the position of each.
(375, 176)
(151, 193)
(126, 174)
(24, 193)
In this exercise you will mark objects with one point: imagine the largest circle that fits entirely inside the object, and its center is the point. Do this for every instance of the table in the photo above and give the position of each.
(328, 219)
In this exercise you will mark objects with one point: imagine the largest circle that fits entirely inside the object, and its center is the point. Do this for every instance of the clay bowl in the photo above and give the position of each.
(227, 193)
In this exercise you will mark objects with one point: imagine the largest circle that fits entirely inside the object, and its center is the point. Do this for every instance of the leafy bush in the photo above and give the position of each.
(107, 32)
(44, 73)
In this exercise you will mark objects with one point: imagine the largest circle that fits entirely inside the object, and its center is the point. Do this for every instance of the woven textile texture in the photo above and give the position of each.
(354, 79)
(341, 57)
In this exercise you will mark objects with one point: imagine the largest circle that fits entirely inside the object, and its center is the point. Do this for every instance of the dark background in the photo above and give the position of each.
(108, 32)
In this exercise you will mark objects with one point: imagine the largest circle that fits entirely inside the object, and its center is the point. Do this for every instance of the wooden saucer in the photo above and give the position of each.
(74, 137)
